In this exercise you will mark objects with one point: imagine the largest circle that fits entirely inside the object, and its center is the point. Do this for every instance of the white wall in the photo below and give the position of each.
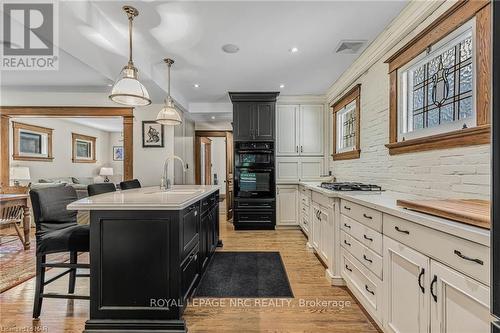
(448, 173)
(62, 164)
(148, 162)
(214, 126)
(219, 161)
(184, 148)
(116, 139)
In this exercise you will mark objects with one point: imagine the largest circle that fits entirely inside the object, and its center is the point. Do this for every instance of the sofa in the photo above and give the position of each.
(78, 183)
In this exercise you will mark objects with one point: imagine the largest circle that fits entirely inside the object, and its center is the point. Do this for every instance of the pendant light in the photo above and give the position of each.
(127, 89)
(168, 115)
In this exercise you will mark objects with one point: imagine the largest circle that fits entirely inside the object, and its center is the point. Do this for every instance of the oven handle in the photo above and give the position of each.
(254, 151)
(255, 169)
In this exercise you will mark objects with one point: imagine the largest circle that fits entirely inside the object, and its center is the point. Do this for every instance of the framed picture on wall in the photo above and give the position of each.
(152, 134)
(117, 153)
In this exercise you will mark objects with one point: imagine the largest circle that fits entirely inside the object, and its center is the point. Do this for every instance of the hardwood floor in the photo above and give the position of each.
(306, 275)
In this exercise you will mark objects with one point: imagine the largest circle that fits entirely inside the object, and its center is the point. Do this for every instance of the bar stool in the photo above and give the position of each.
(129, 184)
(95, 189)
(57, 231)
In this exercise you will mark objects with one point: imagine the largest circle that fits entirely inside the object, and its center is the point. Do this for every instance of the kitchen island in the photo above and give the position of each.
(148, 250)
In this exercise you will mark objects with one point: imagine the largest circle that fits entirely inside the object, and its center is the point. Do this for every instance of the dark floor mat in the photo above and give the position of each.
(245, 274)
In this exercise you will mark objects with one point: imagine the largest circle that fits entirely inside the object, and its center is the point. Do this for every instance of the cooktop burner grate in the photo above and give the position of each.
(349, 186)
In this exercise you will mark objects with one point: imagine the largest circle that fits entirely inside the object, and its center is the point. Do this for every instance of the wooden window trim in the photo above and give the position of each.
(351, 95)
(92, 139)
(453, 18)
(16, 155)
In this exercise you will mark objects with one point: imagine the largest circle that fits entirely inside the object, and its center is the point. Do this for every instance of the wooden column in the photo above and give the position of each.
(4, 152)
(128, 147)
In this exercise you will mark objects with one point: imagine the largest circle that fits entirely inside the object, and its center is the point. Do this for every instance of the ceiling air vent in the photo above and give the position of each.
(350, 46)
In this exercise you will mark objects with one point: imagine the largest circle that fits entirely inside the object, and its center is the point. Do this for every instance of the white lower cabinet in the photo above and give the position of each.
(316, 227)
(459, 304)
(423, 295)
(406, 281)
(287, 204)
(326, 236)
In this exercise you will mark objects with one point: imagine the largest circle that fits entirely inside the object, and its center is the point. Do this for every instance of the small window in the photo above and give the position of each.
(437, 88)
(346, 125)
(440, 83)
(83, 148)
(32, 143)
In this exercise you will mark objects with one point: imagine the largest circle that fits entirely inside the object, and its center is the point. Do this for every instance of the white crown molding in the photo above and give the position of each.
(301, 99)
(407, 22)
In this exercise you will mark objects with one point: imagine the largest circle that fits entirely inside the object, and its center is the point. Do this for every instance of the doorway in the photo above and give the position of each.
(214, 164)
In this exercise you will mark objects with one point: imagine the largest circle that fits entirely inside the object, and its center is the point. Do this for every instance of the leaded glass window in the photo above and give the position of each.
(438, 87)
(346, 127)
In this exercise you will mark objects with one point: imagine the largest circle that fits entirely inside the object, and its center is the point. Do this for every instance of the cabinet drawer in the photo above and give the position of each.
(305, 223)
(468, 257)
(251, 204)
(366, 256)
(363, 284)
(254, 217)
(303, 190)
(367, 236)
(322, 200)
(305, 200)
(190, 272)
(369, 217)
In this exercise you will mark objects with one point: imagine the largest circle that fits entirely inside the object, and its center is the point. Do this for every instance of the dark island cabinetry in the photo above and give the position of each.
(145, 264)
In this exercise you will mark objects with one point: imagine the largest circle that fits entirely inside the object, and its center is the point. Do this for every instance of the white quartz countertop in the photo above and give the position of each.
(146, 198)
(385, 202)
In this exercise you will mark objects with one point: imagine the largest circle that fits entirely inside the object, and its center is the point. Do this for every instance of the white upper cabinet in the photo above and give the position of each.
(287, 130)
(299, 130)
(311, 130)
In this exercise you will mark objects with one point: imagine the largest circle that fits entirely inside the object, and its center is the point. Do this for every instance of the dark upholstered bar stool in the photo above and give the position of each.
(57, 231)
(129, 184)
(95, 189)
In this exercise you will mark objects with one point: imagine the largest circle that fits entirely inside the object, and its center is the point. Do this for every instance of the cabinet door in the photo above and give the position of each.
(459, 304)
(243, 121)
(263, 119)
(311, 168)
(287, 168)
(311, 130)
(316, 228)
(287, 205)
(204, 246)
(287, 125)
(405, 273)
(327, 240)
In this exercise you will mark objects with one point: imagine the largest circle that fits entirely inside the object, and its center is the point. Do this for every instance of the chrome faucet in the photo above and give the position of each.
(165, 182)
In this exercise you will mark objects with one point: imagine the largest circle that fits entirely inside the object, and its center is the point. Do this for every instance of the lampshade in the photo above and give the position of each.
(106, 171)
(20, 173)
(168, 115)
(128, 90)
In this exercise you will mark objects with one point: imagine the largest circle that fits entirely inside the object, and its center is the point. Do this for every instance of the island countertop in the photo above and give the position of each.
(146, 198)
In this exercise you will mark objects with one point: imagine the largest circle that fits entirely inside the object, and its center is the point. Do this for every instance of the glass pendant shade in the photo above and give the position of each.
(127, 90)
(168, 115)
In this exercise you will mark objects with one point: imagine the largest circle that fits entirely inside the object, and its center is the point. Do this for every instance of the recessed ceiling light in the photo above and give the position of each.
(230, 48)
(196, 85)
(282, 86)
(294, 50)
(213, 117)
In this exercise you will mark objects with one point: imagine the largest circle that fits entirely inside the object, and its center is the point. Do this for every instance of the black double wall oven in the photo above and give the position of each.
(254, 185)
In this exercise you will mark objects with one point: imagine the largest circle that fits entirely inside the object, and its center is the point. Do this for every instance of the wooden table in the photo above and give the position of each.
(19, 200)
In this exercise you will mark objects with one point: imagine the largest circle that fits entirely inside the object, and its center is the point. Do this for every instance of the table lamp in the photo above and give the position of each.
(106, 172)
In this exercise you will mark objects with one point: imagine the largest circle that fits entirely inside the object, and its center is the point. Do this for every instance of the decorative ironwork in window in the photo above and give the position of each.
(438, 87)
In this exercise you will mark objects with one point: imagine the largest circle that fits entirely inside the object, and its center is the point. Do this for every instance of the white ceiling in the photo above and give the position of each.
(93, 39)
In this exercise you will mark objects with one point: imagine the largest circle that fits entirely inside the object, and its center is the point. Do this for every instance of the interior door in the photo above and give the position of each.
(406, 288)
(206, 161)
(229, 175)
(311, 130)
(459, 304)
